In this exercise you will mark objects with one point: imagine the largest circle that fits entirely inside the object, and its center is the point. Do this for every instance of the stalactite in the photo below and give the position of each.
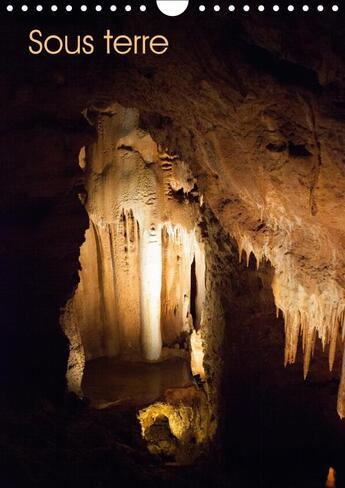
(309, 310)
(309, 346)
(197, 354)
(314, 314)
(127, 282)
(292, 329)
(179, 249)
(341, 391)
(175, 284)
(134, 295)
(99, 264)
(333, 344)
(200, 272)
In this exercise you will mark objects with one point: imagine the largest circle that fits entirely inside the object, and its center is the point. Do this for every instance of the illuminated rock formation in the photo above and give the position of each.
(197, 354)
(142, 266)
(312, 308)
(180, 427)
(274, 193)
(330, 482)
(150, 292)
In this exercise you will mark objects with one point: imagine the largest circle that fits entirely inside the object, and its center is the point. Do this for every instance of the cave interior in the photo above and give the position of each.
(172, 258)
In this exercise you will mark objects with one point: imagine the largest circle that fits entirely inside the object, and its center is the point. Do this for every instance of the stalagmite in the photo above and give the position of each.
(150, 292)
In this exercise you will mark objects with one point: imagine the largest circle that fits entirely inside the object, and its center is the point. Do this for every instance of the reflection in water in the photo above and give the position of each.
(111, 381)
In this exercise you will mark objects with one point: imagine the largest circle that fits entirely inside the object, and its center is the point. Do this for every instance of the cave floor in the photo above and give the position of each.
(110, 381)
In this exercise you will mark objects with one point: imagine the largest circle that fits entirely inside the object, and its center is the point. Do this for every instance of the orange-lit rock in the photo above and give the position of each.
(330, 483)
(142, 246)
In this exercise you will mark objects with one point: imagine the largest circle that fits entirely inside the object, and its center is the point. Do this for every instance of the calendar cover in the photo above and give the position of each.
(172, 243)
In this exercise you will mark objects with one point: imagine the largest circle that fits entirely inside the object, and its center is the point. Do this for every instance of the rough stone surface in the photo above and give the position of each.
(179, 428)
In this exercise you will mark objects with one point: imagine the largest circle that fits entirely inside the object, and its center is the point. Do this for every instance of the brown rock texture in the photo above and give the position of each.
(255, 110)
(180, 427)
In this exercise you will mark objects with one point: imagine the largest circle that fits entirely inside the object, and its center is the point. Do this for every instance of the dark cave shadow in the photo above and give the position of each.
(278, 430)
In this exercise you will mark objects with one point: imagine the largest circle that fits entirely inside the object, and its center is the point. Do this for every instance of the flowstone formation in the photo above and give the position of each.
(142, 278)
(142, 288)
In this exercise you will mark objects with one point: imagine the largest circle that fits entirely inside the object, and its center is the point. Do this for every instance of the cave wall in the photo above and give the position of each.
(39, 263)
